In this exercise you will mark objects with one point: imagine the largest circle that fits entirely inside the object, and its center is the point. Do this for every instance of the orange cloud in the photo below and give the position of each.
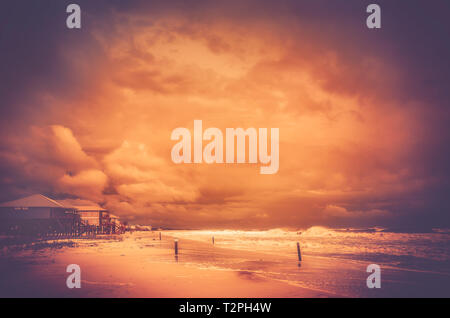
(342, 139)
(85, 184)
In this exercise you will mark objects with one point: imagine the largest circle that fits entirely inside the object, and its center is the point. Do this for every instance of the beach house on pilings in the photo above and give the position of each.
(38, 215)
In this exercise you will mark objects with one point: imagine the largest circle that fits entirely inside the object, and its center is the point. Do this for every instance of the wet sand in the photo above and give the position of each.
(141, 266)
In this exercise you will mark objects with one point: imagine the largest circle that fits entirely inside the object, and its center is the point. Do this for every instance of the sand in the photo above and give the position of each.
(139, 266)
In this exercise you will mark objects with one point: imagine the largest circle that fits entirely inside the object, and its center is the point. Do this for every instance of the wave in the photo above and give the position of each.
(376, 244)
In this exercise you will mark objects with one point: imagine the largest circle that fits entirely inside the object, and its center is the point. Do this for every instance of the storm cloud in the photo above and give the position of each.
(87, 114)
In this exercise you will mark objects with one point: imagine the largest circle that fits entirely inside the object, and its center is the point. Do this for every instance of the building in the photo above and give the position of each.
(116, 225)
(98, 219)
(38, 215)
(93, 215)
(94, 218)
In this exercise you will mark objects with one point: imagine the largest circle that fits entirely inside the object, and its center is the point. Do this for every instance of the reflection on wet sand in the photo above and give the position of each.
(134, 266)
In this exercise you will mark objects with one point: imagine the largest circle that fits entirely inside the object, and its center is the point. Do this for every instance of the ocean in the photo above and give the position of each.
(335, 260)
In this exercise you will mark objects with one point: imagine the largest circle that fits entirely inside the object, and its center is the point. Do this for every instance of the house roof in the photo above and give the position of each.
(33, 201)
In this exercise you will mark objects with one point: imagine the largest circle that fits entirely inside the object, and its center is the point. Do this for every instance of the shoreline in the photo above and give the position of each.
(135, 267)
(139, 265)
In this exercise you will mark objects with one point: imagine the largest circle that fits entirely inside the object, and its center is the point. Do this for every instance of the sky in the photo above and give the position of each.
(363, 114)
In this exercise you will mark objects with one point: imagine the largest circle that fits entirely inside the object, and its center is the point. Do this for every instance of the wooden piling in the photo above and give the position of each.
(213, 240)
(298, 252)
(176, 247)
(160, 236)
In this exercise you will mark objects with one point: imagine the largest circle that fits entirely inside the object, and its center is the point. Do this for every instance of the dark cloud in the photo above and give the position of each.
(35, 45)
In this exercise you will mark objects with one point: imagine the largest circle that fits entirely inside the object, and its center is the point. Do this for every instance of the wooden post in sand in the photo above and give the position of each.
(298, 252)
(160, 236)
(176, 247)
(213, 240)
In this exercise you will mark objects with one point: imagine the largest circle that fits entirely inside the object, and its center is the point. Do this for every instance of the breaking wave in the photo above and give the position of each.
(411, 250)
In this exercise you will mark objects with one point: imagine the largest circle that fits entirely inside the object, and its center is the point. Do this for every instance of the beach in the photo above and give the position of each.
(140, 265)
(133, 266)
